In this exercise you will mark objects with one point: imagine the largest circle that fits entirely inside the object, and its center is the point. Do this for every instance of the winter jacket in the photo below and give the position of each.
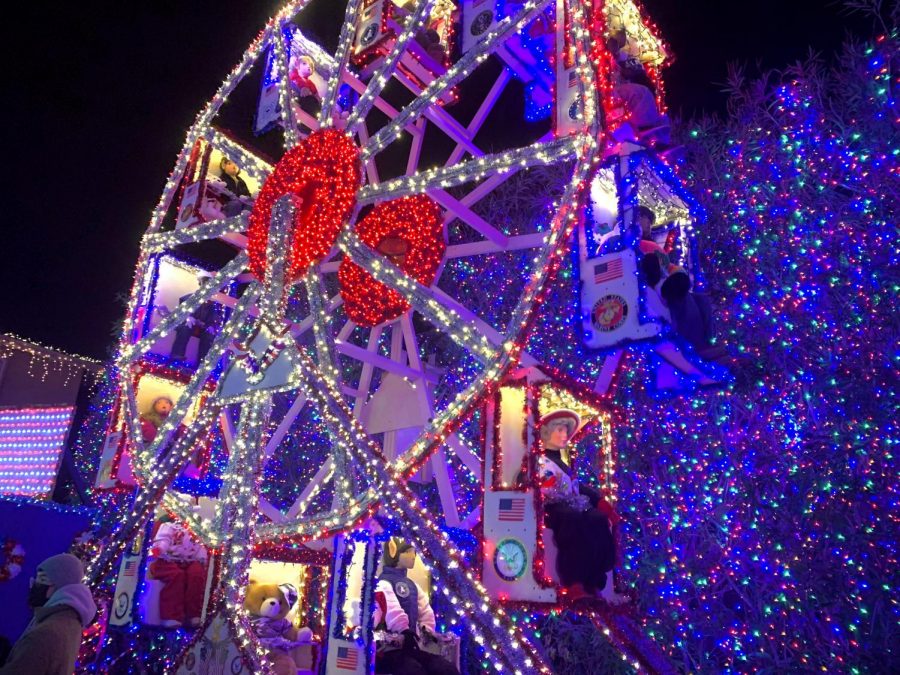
(50, 643)
(389, 607)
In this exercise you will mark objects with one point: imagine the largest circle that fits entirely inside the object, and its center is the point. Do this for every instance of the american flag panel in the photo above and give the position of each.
(347, 658)
(512, 510)
(608, 271)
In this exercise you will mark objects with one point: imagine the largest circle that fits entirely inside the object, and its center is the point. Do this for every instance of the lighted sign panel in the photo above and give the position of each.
(31, 447)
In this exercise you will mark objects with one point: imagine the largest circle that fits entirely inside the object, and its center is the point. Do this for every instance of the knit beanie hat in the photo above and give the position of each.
(62, 569)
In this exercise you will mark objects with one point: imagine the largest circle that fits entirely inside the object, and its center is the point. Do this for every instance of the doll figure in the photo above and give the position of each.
(401, 606)
(240, 199)
(231, 176)
(302, 69)
(577, 514)
(179, 562)
(204, 323)
(152, 420)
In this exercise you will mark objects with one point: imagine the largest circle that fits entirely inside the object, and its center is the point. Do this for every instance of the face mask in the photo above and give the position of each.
(37, 595)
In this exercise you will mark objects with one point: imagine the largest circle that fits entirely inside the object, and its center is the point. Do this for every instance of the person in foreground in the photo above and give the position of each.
(63, 607)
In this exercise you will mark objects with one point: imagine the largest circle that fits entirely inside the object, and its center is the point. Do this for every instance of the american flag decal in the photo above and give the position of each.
(573, 77)
(512, 510)
(130, 568)
(608, 271)
(347, 658)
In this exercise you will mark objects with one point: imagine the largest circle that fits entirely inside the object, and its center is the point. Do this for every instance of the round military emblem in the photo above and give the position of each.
(122, 602)
(609, 313)
(510, 559)
(401, 588)
(369, 34)
(481, 23)
(574, 109)
(237, 665)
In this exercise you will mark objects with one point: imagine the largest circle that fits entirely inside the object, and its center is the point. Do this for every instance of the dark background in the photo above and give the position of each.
(97, 98)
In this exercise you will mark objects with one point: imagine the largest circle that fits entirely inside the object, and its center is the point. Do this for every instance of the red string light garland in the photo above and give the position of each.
(409, 233)
(322, 174)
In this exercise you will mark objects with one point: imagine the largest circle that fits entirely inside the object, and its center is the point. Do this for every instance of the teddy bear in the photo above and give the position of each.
(268, 606)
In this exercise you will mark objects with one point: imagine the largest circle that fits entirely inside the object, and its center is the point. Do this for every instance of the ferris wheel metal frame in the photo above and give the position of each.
(259, 313)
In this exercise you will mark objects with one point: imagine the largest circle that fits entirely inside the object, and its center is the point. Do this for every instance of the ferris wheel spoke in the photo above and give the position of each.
(322, 476)
(481, 114)
(315, 292)
(367, 357)
(266, 508)
(470, 170)
(236, 510)
(371, 360)
(461, 69)
(183, 311)
(283, 82)
(341, 57)
(285, 425)
(480, 191)
(299, 328)
(485, 247)
(457, 209)
(445, 488)
(370, 166)
(227, 229)
(381, 77)
(466, 455)
(418, 296)
(442, 119)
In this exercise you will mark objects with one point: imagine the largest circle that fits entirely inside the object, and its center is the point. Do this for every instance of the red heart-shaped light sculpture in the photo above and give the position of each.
(322, 173)
(409, 233)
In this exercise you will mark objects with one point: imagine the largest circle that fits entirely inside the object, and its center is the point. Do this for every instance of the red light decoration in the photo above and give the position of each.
(409, 233)
(322, 174)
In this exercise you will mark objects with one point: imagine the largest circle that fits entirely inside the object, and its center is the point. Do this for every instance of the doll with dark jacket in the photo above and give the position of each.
(581, 520)
(203, 323)
(402, 606)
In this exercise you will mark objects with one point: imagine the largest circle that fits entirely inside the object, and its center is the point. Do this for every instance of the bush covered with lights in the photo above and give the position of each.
(762, 521)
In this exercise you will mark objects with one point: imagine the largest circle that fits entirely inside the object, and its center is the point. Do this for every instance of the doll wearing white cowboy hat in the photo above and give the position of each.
(581, 531)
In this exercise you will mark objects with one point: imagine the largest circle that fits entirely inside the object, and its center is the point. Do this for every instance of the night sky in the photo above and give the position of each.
(97, 98)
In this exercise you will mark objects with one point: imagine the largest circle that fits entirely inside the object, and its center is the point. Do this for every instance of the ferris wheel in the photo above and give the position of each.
(359, 278)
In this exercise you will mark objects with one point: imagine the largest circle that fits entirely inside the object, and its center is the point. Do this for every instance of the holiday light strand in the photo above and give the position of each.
(432, 543)
(459, 70)
(281, 74)
(341, 58)
(470, 170)
(380, 78)
(214, 229)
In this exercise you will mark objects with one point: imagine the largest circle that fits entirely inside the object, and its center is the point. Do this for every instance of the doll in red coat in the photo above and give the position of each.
(179, 561)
